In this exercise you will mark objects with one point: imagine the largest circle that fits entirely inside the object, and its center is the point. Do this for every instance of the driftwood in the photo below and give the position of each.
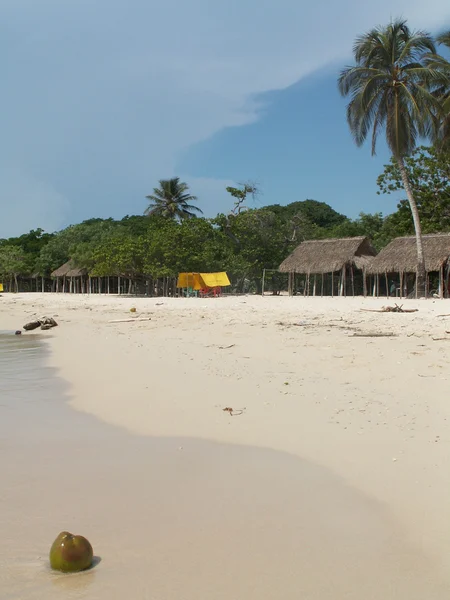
(132, 320)
(390, 309)
(44, 323)
(221, 347)
(374, 335)
(233, 412)
(32, 325)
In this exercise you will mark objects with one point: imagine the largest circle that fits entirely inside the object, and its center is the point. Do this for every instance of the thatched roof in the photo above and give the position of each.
(400, 256)
(68, 269)
(327, 256)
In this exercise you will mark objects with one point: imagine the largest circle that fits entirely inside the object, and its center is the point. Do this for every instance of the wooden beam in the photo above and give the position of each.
(342, 281)
(447, 274)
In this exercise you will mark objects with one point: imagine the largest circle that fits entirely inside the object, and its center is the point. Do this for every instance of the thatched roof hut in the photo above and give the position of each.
(62, 270)
(328, 256)
(68, 269)
(400, 256)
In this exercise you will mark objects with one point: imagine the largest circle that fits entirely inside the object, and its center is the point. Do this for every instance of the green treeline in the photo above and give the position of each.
(243, 242)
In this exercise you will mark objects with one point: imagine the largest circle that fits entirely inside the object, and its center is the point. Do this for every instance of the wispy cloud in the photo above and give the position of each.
(101, 97)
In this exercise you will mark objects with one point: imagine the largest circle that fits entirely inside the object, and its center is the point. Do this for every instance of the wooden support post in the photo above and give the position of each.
(378, 285)
(387, 284)
(314, 286)
(352, 275)
(364, 283)
(447, 274)
(332, 284)
(342, 282)
(401, 284)
(441, 281)
(321, 291)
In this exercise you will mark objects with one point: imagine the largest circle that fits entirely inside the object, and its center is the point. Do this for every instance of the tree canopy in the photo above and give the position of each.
(242, 242)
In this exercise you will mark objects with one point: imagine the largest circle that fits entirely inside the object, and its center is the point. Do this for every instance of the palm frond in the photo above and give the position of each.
(444, 39)
(172, 199)
(395, 84)
(415, 47)
(352, 77)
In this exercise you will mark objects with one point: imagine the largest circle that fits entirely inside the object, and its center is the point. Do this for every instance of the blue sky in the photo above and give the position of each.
(101, 98)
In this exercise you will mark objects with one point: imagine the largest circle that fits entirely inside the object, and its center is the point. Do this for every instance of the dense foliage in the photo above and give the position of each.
(242, 242)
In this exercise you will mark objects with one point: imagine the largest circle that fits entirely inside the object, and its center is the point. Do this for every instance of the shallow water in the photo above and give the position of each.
(179, 519)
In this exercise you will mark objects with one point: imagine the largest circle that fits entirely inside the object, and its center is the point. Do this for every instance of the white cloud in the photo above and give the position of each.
(104, 95)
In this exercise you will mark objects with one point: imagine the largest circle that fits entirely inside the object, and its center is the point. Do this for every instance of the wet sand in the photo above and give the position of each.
(178, 517)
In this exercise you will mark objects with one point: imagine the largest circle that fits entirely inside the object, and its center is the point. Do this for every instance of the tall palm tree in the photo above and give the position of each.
(441, 63)
(172, 200)
(391, 88)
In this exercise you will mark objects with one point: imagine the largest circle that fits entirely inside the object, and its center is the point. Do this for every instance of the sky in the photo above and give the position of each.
(102, 98)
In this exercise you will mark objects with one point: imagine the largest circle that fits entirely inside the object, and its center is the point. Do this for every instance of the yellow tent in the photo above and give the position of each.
(1, 287)
(199, 281)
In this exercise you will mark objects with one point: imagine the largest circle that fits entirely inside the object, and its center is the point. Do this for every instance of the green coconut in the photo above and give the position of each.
(71, 553)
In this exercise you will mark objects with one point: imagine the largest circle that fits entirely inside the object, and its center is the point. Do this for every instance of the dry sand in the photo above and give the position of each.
(354, 503)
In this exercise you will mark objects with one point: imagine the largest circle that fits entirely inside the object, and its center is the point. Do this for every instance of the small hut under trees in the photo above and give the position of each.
(330, 267)
(74, 280)
(69, 278)
(394, 269)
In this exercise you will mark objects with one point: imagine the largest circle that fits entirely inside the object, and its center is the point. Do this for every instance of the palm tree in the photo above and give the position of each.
(391, 88)
(172, 200)
(439, 62)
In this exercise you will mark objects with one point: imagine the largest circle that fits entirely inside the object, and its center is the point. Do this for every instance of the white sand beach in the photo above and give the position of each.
(329, 479)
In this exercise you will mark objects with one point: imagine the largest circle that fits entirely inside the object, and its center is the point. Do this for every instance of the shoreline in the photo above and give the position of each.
(372, 410)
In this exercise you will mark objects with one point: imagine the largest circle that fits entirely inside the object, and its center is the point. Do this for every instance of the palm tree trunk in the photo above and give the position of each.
(421, 269)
